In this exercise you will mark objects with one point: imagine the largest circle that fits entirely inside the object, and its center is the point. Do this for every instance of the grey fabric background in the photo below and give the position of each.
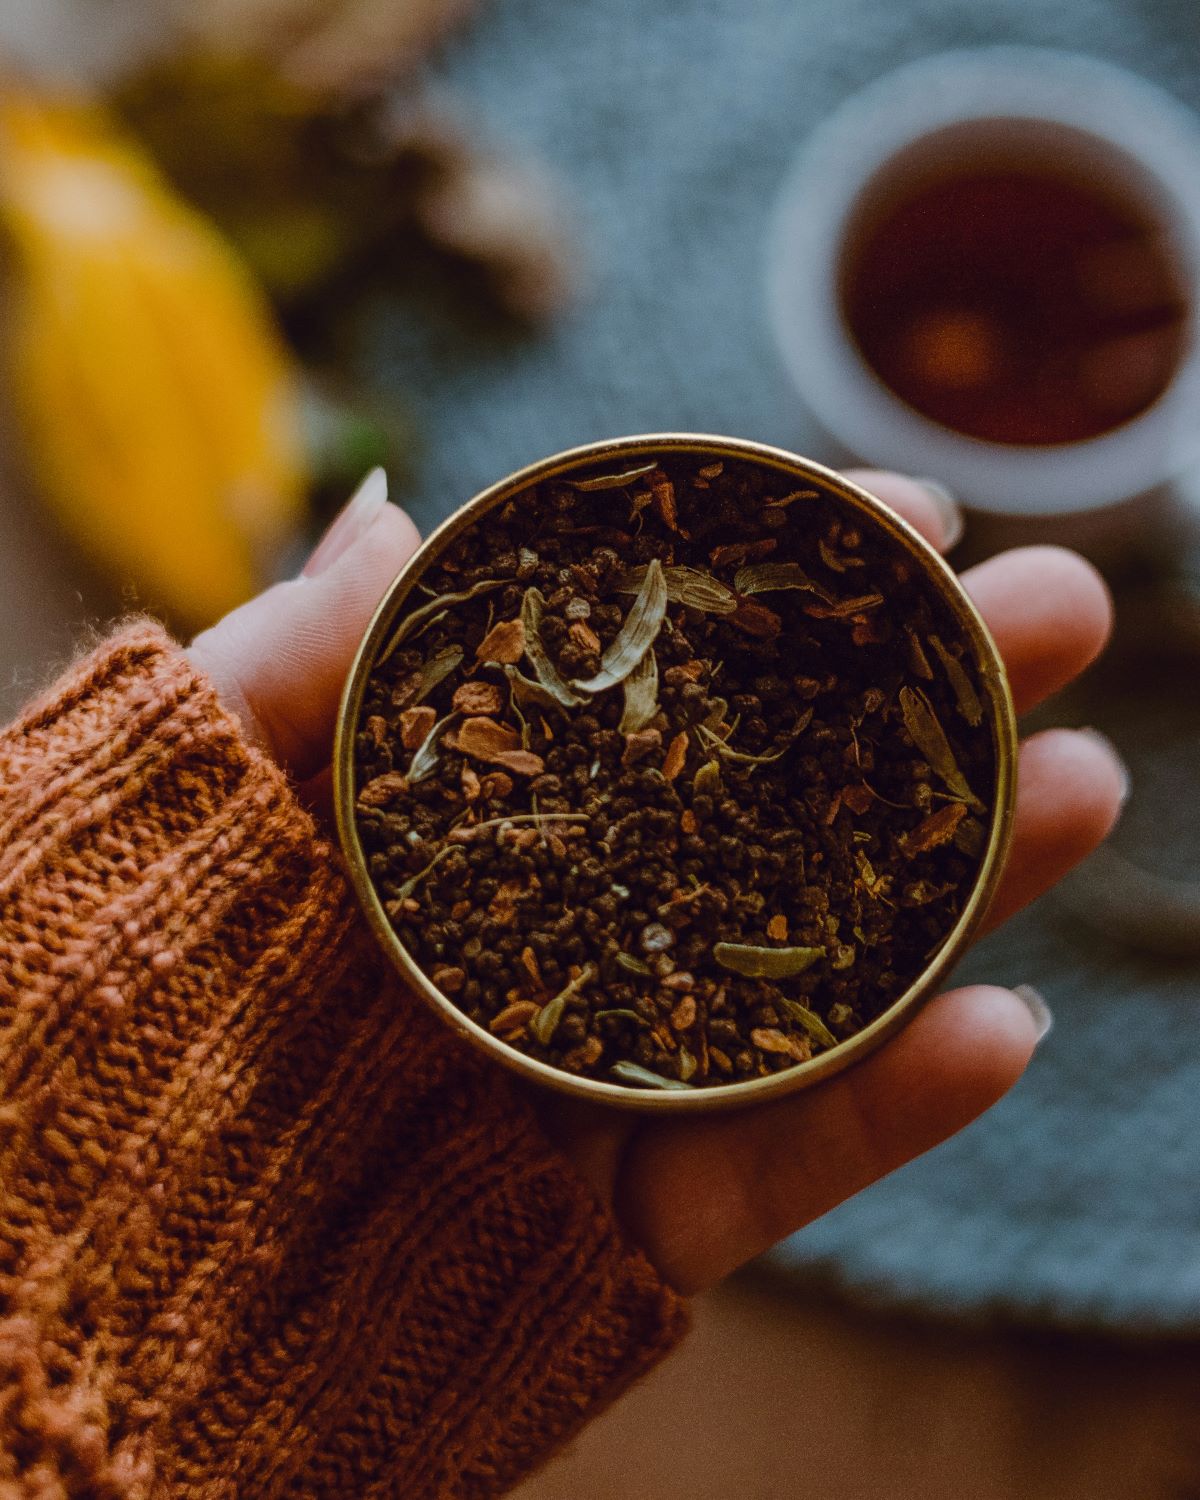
(670, 124)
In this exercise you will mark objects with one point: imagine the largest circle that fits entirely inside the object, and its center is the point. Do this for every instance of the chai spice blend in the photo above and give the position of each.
(675, 776)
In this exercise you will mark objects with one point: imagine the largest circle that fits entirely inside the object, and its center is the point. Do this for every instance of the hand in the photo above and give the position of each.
(701, 1197)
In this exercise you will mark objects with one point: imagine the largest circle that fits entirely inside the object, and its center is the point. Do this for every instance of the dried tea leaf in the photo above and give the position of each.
(477, 698)
(765, 963)
(413, 881)
(418, 686)
(707, 780)
(431, 607)
(809, 1019)
(673, 761)
(634, 1073)
(767, 578)
(525, 691)
(713, 741)
(613, 481)
(533, 607)
(841, 609)
(641, 695)
(545, 1023)
(730, 554)
(425, 761)
(687, 586)
(930, 739)
(687, 1063)
(970, 838)
(917, 659)
(756, 620)
(768, 1039)
(937, 829)
(795, 495)
(504, 642)
(624, 1014)
(634, 964)
(968, 700)
(636, 635)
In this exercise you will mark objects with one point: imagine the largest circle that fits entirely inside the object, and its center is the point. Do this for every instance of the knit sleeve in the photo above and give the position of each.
(266, 1229)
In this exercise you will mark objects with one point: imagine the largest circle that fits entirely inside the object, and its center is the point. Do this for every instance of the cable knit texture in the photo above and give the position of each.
(266, 1228)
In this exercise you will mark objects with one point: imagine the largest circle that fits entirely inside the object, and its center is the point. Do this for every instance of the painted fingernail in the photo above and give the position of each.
(948, 509)
(351, 522)
(1118, 759)
(1036, 1005)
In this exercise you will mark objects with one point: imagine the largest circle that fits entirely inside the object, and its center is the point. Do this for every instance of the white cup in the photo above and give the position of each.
(1079, 115)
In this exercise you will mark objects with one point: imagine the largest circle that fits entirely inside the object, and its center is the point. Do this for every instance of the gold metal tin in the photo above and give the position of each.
(620, 452)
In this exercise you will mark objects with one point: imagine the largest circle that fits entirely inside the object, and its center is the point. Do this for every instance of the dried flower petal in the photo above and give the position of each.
(533, 607)
(930, 739)
(634, 1073)
(425, 761)
(809, 1019)
(636, 635)
(431, 607)
(686, 586)
(765, 963)
(641, 695)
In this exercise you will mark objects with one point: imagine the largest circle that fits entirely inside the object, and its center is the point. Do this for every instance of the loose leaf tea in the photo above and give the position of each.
(708, 780)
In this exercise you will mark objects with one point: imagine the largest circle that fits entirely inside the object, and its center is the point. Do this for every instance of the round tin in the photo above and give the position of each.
(1001, 717)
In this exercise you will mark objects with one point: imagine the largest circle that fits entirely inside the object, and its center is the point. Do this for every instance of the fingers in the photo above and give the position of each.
(279, 662)
(1070, 790)
(923, 503)
(701, 1197)
(1049, 612)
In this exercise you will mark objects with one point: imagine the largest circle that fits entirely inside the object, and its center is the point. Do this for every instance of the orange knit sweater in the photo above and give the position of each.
(265, 1229)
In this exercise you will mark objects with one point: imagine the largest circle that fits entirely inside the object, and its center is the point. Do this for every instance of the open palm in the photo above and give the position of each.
(700, 1197)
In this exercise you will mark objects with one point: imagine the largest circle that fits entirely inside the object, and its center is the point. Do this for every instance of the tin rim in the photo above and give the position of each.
(1001, 716)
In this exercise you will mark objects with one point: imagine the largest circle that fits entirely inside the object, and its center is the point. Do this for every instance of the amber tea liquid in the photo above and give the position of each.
(1013, 304)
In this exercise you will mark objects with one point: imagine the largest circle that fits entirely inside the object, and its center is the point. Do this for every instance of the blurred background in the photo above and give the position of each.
(250, 249)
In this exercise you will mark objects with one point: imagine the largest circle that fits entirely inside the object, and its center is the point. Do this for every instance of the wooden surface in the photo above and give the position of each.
(778, 1398)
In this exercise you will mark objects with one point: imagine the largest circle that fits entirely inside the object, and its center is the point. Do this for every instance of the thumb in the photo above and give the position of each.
(279, 661)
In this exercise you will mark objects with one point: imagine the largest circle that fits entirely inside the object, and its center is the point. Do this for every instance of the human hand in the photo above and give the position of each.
(700, 1197)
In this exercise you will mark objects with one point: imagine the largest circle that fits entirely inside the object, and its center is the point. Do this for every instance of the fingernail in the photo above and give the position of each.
(948, 509)
(351, 522)
(1102, 739)
(1033, 1001)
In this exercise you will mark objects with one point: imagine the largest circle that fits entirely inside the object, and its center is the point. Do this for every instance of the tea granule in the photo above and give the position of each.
(674, 776)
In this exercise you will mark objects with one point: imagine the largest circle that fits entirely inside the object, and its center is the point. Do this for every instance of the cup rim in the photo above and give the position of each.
(1001, 714)
(1120, 112)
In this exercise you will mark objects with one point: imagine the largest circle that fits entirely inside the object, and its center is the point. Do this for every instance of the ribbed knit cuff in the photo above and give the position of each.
(267, 1229)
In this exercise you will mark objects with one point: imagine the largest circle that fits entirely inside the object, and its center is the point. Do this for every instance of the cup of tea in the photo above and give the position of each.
(984, 267)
